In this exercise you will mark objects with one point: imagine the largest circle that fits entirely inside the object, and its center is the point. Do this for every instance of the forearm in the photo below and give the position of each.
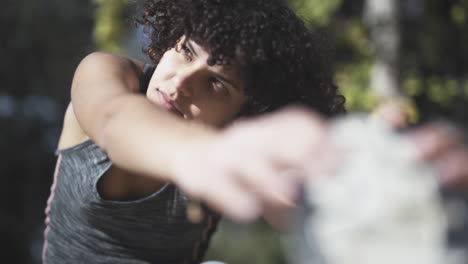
(143, 138)
(137, 134)
(279, 218)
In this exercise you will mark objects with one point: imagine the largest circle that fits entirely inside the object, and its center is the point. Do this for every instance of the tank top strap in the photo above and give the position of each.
(148, 71)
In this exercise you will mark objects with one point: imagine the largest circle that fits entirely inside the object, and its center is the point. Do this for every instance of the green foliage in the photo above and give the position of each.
(315, 11)
(435, 59)
(458, 14)
(442, 91)
(353, 80)
(238, 244)
(110, 24)
(356, 36)
(350, 37)
(353, 69)
(412, 84)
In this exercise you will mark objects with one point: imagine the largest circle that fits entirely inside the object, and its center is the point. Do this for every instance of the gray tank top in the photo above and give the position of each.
(83, 227)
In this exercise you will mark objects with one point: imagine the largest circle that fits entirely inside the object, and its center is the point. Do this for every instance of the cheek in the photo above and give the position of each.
(221, 112)
(166, 65)
(164, 70)
(151, 93)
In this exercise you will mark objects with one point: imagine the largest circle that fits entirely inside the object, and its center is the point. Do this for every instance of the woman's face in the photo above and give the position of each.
(183, 83)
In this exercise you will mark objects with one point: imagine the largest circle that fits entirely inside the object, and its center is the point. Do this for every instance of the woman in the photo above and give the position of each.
(138, 140)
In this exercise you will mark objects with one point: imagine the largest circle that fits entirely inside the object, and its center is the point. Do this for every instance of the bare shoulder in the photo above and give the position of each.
(102, 64)
(116, 184)
(98, 77)
(100, 80)
(104, 57)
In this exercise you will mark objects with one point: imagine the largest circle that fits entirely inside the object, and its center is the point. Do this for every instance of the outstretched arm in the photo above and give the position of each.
(239, 170)
(443, 145)
(136, 134)
(440, 143)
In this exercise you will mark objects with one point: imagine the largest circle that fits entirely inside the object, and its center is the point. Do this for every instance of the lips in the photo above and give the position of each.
(168, 104)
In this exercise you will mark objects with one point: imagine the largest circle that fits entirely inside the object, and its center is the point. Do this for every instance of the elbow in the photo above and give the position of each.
(102, 88)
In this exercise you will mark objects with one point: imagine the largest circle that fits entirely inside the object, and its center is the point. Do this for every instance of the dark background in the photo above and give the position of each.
(41, 44)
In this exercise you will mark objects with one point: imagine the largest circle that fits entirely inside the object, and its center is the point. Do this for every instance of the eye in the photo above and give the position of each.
(187, 52)
(219, 87)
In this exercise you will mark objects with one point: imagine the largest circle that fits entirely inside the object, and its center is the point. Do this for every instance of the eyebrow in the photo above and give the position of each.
(224, 79)
(221, 77)
(189, 43)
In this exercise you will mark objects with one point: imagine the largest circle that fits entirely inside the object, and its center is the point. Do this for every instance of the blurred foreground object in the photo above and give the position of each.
(444, 145)
(383, 205)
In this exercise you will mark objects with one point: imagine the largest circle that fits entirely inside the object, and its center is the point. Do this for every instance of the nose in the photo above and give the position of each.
(182, 83)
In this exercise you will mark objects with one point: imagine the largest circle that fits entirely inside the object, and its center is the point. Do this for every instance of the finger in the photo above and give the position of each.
(268, 182)
(394, 113)
(230, 199)
(431, 141)
(297, 142)
(288, 137)
(453, 168)
(323, 164)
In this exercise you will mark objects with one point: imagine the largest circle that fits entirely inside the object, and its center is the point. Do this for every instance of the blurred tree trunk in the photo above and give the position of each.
(382, 19)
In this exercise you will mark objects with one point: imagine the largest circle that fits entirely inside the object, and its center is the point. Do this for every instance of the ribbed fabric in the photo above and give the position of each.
(82, 227)
(148, 71)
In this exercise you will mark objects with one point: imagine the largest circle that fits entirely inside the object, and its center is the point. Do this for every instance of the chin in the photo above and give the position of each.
(152, 97)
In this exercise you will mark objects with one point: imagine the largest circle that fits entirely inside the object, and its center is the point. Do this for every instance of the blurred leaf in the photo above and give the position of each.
(239, 244)
(110, 24)
(412, 85)
(442, 91)
(353, 80)
(357, 37)
(458, 14)
(315, 11)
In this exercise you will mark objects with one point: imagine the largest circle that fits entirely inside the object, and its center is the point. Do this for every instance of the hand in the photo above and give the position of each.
(255, 163)
(394, 113)
(442, 144)
(438, 143)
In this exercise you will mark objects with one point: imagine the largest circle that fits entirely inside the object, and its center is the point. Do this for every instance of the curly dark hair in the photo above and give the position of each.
(285, 63)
